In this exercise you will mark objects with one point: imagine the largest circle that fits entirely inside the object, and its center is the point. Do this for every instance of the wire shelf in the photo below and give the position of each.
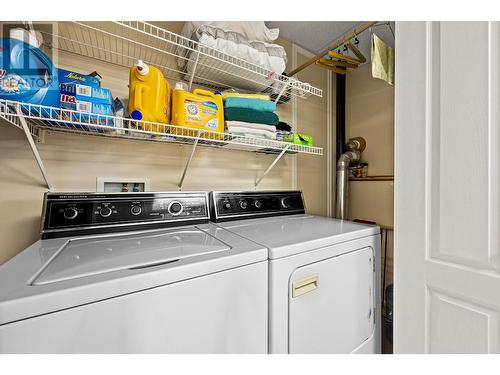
(57, 119)
(179, 58)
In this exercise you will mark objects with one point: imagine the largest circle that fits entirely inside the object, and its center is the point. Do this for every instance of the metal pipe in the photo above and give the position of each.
(342, 181)
(354, 146)
(340, 114)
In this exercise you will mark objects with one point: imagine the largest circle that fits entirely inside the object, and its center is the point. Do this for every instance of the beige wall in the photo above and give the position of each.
(370, 114)
(312, 115)
(73, 162)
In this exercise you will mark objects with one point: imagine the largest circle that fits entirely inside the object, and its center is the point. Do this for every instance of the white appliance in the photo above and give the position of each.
(323, 273)
(108, 276)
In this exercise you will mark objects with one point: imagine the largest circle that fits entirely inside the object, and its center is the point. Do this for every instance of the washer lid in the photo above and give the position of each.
(88, 256)
(36, 281)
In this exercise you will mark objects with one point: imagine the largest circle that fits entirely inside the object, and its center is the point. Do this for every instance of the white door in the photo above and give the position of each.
(447, 207)
(331, 304)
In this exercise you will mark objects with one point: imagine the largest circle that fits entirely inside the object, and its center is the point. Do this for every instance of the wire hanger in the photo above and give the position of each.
(392, 31)
(387, 23)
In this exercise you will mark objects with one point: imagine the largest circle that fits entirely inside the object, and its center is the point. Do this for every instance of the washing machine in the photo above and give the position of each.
(324, 293)
(134, 273)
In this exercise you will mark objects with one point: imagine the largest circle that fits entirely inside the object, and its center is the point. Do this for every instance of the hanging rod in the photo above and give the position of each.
(344, 39)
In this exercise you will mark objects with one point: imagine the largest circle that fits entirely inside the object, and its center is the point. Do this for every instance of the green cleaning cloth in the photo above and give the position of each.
(382, 60)
(251, 115)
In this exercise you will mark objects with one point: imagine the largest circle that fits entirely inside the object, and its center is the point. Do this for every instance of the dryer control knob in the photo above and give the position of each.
(257, 203)
(243, 204)
(226, 205)
(285, 202)
(175, 208)
(105, 211)
(136, 210)
(70, 213)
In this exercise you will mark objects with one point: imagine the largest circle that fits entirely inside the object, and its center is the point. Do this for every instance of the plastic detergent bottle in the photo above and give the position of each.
(149, 95)
(200, 109)
(26, 74)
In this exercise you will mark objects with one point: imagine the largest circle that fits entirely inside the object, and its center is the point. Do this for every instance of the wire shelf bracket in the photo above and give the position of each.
(284, 88)
(193, 149)
(280, 155)
(33, 147)
(191, 78)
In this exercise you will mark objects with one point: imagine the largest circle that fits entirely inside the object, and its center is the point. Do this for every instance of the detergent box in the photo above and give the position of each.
(82, 93)
(27, 75)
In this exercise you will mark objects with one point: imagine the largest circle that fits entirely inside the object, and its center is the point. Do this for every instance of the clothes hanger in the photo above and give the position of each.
(341, 57)
(331, 67)
(392, 31)
(342, 64)
(388, 24)
(356, 52)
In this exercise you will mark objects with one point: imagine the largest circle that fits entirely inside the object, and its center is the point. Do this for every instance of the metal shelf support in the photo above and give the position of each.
(280, 155)
(31, 142)
(191, 78)
(288, 83)
(193, 149)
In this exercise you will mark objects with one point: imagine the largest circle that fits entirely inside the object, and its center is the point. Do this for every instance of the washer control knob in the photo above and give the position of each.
(105, 211)
(285, 202)
(243, 204)
(257, 203)
(226, 205)
(136, 210)
(70, 213)
(175, 208)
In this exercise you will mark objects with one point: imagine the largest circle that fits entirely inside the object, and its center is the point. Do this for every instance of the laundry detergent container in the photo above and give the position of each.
(149, 97)
(200, 109)
(27, 75)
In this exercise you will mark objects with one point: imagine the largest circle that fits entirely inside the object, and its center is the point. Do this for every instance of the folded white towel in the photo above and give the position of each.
(250, 125)
(251, 132)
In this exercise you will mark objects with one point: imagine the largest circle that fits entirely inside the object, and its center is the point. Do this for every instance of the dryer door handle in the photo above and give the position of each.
(304, 286)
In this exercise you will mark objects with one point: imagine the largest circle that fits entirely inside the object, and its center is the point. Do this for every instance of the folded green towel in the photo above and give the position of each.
(257, 104)
(251, 115)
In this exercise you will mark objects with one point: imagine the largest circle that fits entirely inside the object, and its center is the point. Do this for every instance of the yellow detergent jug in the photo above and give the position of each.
(200, 109)
(149, 96)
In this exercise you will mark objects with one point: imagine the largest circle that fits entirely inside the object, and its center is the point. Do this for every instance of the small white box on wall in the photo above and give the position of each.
(122, 184)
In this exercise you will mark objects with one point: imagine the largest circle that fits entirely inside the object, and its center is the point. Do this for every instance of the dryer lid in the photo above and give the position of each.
(95, 255)
(289, 235)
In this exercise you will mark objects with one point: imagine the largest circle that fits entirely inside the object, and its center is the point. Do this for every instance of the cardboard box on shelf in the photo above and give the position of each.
(82, 93)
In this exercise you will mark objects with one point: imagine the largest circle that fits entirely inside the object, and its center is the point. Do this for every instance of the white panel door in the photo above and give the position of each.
(331, 304)
(447, 207)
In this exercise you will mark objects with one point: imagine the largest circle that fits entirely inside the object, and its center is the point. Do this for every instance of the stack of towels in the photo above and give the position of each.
(250, 115)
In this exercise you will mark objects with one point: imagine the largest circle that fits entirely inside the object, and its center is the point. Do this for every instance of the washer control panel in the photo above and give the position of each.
(84, 213)
(245, 205)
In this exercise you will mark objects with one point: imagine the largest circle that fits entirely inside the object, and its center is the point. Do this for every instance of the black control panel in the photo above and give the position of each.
(67, 214)
(244, 205)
